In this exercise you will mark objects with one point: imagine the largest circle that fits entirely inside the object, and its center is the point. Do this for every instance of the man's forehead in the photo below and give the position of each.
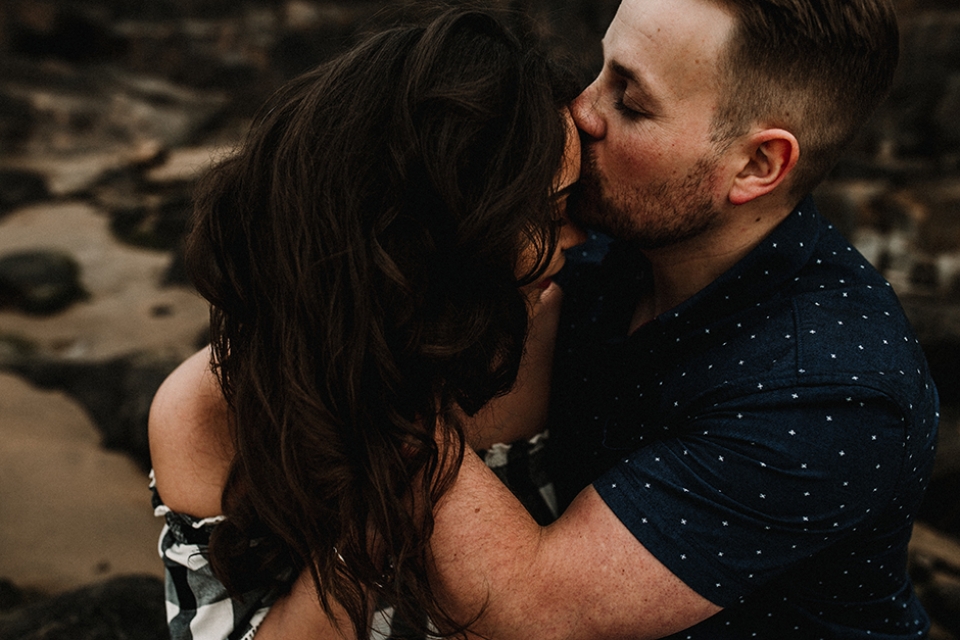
(659, 38)
(673, 24)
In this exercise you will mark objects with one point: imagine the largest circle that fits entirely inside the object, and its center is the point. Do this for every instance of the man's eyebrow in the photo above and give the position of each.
(622, 71)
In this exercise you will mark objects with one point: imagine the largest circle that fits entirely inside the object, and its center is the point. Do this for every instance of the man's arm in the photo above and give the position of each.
(585, 576)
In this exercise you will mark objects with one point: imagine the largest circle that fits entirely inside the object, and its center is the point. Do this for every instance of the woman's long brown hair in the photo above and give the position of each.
(359, 255)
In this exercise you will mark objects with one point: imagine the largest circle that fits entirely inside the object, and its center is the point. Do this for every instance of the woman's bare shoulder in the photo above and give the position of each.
(190, 444)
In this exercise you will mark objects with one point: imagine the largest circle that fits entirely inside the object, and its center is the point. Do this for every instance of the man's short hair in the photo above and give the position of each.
(817, 68)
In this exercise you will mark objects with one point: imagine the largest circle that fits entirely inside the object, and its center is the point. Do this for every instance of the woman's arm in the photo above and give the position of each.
(190, 443)
(191, 451)
(522, 413)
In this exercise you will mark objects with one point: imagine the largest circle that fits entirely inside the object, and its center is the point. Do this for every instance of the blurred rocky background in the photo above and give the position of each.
(110, 109)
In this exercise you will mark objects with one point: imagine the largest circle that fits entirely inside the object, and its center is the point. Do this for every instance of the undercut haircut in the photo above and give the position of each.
(817, 68)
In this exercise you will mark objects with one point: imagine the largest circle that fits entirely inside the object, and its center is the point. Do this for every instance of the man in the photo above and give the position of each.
(739, 385)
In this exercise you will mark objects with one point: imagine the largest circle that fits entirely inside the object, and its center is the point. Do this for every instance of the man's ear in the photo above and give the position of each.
(770, 156)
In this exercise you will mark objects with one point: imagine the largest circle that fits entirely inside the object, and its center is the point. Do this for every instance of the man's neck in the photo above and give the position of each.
(681, 271)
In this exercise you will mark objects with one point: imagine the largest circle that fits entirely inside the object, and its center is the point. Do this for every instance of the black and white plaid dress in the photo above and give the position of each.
(198, 607)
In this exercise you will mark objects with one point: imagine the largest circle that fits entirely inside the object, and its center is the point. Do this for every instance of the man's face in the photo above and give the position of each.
(650, 170)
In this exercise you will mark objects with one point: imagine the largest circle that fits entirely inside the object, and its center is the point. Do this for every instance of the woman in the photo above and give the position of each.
(371, 256)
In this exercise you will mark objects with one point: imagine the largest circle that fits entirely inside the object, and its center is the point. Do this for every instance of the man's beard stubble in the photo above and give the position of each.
(650, 216)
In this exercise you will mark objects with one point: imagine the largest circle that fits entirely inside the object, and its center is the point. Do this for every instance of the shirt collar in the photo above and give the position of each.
(759, 275)
(762, 272)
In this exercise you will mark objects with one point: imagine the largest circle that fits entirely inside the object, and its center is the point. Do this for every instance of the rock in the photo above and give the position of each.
(937, 325)
(225, 51)
(15, 349)
(940, 507)
(910, 232)
(70, 31)
(925, 275)
(39, 282)
(76, 110)
(77, 174)
(10, 595)
(148, 198)
(152, 220)
(155, 109)
(124, 284)
(19, 187)
(186, 165)
(942, 601)
(16, 120)
(933, 34)
(931, 551)
(844, 202)
(934, 564)
(935, 569)
(176, 273)
(116, 393)
(127, 607)
(939, 219)
(930, 56)
(315, 37)
(13, 596)
(949, 107)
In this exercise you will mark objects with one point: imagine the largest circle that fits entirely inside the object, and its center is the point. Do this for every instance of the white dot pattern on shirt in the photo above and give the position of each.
(835, 355)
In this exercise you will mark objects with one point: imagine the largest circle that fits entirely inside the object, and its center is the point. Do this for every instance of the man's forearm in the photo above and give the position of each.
(478, 566)
(585, 576)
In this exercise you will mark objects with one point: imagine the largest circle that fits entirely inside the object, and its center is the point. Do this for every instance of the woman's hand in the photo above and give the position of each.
(522, 413)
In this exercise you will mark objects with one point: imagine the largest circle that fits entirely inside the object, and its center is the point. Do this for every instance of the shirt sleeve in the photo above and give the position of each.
(758, 483)
(198, 605)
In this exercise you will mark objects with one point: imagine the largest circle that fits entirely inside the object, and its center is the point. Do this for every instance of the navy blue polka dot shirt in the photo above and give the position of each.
(769, 440)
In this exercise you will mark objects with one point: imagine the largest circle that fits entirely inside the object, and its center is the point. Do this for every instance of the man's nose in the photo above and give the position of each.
(585, 113)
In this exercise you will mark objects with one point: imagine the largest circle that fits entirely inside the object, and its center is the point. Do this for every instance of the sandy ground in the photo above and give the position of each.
(70, 512)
